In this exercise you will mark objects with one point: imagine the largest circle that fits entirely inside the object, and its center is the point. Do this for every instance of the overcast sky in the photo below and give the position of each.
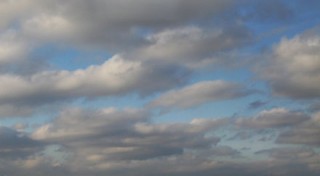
(159, 87)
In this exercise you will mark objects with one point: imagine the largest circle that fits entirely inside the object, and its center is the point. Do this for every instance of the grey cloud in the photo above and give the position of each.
(156, 31)
(114, 24)
(288, 153)
(12, 47)
(125, 135)
(274, 118)
(199, 93)
(314, 107)
(126, 142)
(15, 144)
(14, 10)
(306, 133)
(257, 104)
(192, 46)
(143, 12)
(221, 151)
(15, 111)
(303, 158)
(121, 26)
(191, 165)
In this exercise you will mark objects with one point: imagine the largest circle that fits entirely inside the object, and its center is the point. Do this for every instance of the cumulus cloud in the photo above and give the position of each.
(199, 93)
(116, 76)
(293, 70)
(156, 48)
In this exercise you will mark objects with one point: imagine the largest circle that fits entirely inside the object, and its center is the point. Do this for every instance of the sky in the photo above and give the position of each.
(159, 87)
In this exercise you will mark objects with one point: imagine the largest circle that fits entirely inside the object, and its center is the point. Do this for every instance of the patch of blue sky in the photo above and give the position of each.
(132, 100)
(70, 58)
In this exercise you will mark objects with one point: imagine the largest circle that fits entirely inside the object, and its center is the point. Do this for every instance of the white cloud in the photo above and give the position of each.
(294, 69)
(116, 76)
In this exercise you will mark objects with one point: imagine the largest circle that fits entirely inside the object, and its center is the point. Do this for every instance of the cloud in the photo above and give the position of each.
(156, 47)
(306, 133)
(257, 104)
(293, 69)
(48, 27)
(303, 158)
(15, 145)
(12, 47)
(200, 93)
(221, 151)
(115, 77)
(14, 10)
(15, 111)
(108, 138)
(126, 142)
(89, 123)
(274, 118)
(112, 25)
(193, 46)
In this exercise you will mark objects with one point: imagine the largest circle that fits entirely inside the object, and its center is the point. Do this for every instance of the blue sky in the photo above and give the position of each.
(159, 87)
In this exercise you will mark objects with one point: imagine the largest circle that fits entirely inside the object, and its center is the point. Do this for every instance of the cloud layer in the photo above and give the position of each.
(161, 87)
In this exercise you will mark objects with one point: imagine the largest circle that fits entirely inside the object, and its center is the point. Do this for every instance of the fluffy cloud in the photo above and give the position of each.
(116, 76)
(200, 93)
(156, 46)
(293, 70)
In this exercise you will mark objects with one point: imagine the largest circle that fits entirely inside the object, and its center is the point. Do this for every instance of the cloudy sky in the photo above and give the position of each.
(159, 87)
